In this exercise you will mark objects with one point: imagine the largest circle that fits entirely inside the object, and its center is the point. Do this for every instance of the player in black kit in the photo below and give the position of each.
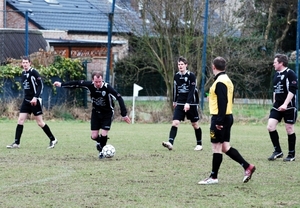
(285, 84)
(185, 102)
(102, 96)
(32, 103)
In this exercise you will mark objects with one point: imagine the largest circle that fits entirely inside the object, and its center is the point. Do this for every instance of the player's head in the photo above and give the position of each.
(97, 78)
(219, 63)
(280, 59)
(26, 62)
(182, 64)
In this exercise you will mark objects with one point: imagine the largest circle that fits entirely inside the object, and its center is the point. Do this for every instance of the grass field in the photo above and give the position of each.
(143, 173)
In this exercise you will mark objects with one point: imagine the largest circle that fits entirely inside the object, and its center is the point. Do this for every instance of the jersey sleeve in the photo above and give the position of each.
(175, 90)
(293, 82)
(76, 84)
(192, 89)
(39, 83)
(119, 98)
(221, 92)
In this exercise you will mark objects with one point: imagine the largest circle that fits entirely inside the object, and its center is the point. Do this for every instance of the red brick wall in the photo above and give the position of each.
(15, 20)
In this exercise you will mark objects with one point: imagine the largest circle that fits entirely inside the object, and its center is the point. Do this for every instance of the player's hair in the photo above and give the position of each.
(220, 63)
(281, 58)
(97, 74)
(26, 58)
(181, 58)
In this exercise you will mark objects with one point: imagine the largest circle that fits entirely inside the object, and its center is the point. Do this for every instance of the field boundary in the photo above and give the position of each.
(236, 100)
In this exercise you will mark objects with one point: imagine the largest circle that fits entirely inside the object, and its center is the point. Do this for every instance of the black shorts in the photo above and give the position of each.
(36, 110)
(289, 115)
(101, 120)
(223, 135)
(192, 114)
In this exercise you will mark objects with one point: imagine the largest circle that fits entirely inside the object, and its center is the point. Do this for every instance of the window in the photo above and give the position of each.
(24, 1)
(52, 1)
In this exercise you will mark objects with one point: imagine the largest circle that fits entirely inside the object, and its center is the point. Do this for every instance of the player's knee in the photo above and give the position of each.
(289, 129)
(175, 123)
(195, 125)
(94, 136)
(271, 128)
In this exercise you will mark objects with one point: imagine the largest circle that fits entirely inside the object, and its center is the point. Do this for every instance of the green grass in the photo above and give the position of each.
(142, 173)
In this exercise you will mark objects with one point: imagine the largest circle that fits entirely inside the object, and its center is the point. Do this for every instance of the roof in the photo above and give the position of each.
(65, 42)
(14, 37)
(76, 16)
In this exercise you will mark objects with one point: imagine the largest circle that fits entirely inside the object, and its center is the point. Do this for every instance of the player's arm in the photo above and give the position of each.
(72, 84)
(192, 88)
(39, 83)
(222, 100)
(120, 100)
(175, 92)
(38, 87)
(292, 89)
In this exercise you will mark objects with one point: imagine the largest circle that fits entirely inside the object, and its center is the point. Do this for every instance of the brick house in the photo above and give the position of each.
(75, 29)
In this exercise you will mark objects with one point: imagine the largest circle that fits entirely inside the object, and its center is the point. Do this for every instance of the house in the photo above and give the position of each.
(75, 29)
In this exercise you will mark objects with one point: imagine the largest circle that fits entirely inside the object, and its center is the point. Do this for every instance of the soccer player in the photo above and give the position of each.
(285, 84)
(220, 107)
(185, 102)
(102, 96)
(32, 103)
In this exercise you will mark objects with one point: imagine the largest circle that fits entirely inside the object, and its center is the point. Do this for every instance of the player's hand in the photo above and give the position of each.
(57, 84)
(186, 107)
(219, 127)
(127, 119)
(282, 108)
(33, 101)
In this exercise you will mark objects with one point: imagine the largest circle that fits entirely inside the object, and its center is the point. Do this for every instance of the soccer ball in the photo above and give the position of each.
(108, 151)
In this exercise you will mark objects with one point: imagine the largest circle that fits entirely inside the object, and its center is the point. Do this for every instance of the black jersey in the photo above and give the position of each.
(102, 98)
(185, 90)
(32, 83)
(283, 83)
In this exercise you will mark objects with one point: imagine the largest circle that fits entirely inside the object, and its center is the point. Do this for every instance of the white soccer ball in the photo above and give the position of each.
(108, 151)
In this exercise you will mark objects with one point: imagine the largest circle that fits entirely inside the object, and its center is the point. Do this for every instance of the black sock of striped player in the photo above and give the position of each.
(19, 131)
(292, 144)
(198, 133)
(103, 140)
(275, 140)
(48, 132)
(98, 139)
(172, 135)
(216, 163)
(236, 156)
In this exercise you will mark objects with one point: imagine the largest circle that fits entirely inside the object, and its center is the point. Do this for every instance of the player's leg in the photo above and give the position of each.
(274, 118)
(290, 118)
(216, 141)
(178, 116)
(18, 132)
(103, 137)
(24, 111)
(234, 153)
(95, 127)
(193, 116)
(38, 114)
(105, 127)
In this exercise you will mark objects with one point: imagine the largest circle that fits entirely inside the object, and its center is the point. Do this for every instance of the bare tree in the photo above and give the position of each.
(172, 28)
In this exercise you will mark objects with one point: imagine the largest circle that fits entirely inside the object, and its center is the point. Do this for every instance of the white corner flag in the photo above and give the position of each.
(136, 89)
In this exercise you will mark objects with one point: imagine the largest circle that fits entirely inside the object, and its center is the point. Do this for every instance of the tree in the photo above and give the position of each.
(173, 28)
(274, 19)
